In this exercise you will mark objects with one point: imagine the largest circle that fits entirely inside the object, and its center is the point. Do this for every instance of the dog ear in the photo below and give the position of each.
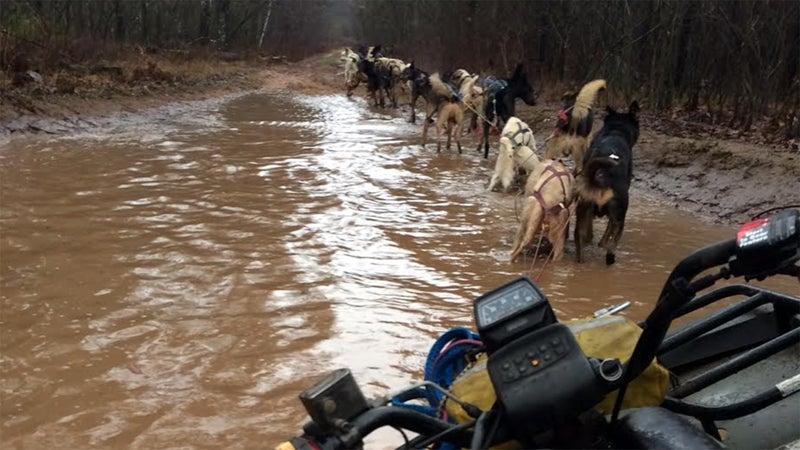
(610, 110)
(634, 108)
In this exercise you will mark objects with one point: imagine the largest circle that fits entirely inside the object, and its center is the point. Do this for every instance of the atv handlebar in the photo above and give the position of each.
(777, 252)
(429, 428)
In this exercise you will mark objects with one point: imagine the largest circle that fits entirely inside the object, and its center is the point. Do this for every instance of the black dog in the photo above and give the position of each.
(379, 81)
(500, 102)
(606, 177)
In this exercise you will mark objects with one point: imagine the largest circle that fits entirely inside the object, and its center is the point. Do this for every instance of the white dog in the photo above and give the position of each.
(352, 77)
(509, 159)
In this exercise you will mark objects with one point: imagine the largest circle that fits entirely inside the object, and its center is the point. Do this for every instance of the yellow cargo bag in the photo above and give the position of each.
(604, 338)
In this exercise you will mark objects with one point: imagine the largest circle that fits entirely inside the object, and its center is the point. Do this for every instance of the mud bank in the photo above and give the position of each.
(717, 179)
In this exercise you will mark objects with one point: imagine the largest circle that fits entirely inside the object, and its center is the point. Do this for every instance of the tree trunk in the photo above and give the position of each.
(119, 29)
(266, 22)
(204, 30)
(143, 12)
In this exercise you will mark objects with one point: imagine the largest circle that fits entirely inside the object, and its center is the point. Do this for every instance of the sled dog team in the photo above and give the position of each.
(596, 187)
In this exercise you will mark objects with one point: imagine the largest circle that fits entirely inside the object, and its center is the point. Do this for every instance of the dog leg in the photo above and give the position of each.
(426, 124)
(583, 226)
(613, 232)
(616, 216)
(424, 132)
(493, 181)
(558, 234)
(449, 130)
(603, 242)
(486, 140)
(532, 217)
(458, 137)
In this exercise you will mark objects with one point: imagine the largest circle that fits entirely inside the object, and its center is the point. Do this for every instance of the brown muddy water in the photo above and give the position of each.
(174, 280)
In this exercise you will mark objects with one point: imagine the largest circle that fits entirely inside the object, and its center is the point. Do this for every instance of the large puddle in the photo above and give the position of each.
(177, 282)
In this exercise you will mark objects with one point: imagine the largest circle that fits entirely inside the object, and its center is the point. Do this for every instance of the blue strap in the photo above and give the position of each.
(445, 370)
(442, 371)
(402, 398)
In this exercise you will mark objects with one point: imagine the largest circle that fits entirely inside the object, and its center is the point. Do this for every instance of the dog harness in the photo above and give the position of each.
(493, 86)
(554, 173)
(562, 115)
(514, 144)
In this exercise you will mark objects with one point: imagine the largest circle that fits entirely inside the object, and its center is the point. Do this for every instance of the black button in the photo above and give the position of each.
(555, 341)
(542, 347)
(506, 366)
(522, 369)
(517, 360)
(530, 355)
(560, 350)
(547, 356)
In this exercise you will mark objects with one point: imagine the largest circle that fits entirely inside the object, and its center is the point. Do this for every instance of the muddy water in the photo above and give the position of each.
(176, 281)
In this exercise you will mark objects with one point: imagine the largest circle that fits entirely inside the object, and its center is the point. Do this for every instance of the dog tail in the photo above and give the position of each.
(585, 99)
(532, 218)
(440, 88)
(588, 186)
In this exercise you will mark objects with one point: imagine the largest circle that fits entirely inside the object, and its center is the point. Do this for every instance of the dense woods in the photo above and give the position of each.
(732, 61)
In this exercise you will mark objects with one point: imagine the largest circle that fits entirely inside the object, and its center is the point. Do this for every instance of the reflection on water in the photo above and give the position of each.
(183, 280)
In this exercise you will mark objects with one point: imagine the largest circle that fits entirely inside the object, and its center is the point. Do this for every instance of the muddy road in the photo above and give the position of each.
(177, 279)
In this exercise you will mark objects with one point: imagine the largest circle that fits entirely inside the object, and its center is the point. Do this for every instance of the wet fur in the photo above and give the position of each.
(534, 218)
(605, 180)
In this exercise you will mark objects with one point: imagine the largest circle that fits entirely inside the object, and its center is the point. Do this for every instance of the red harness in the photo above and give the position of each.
(562, 115)
(555, 209)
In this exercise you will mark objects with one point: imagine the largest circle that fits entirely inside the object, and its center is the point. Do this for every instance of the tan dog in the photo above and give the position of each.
(546, 210)
(573, 131)
(443, 95)
(449, 121)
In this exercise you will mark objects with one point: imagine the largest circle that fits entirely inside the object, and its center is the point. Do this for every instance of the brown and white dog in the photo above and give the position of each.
(548, 197)
(573, 130)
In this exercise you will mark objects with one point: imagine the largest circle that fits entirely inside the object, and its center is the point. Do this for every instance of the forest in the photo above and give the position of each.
(733, 62)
